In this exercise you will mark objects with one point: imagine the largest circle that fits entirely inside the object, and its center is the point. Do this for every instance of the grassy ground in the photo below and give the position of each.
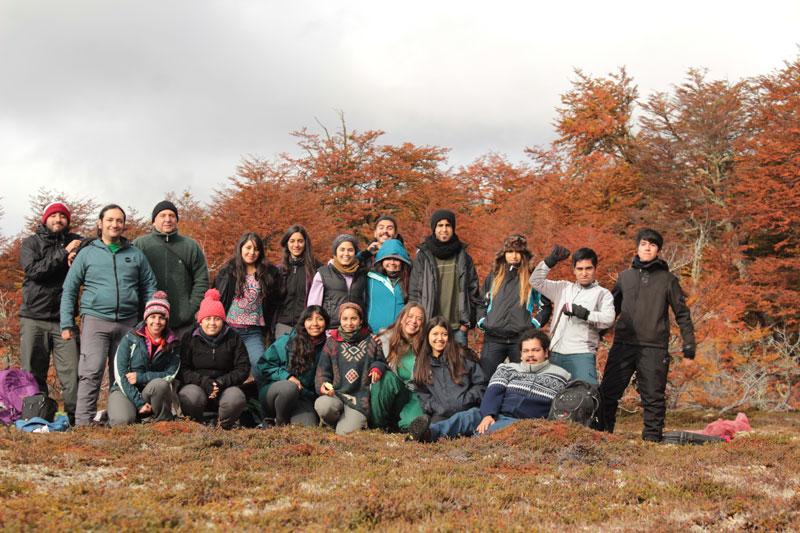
(534, 475)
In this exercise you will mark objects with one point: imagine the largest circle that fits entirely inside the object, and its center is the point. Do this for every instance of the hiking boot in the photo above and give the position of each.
(420, 429)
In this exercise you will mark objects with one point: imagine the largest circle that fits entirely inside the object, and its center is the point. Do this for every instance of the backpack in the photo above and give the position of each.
(688, 437)
(578, 402)
(15, 384)
(39, 405)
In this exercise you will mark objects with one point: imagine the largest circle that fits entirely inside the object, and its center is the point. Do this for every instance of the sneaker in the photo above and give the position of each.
(420, 429)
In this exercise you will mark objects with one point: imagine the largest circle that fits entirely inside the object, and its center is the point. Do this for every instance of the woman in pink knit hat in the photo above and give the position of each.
(214, 365)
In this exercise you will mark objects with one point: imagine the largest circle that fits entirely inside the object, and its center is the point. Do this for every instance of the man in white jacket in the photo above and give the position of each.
(581, 309)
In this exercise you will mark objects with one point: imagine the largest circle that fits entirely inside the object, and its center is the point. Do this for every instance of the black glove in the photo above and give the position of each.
(558, 253)
(689, 352)
(576, 311)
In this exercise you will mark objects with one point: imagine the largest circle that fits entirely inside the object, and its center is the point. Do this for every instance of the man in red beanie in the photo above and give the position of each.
(45, 258)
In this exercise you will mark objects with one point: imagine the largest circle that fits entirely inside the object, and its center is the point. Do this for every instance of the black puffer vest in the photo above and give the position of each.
(336, 292)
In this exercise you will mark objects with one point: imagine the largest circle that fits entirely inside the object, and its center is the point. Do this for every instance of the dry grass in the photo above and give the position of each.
(534, 475)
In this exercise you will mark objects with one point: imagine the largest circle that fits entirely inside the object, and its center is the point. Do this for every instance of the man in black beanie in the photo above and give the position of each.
(179, 265)
(443, 277)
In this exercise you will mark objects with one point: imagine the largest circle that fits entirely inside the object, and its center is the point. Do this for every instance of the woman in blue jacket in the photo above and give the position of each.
(147, 361)
(116, 279)
(387, 286)
(287, 370)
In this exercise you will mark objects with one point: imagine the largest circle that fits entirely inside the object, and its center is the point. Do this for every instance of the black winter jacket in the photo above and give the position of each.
(641, 299)
(423, 286)
(203, 363)
(504, 316)
(44, 262)
(294, 285)
(443, 397)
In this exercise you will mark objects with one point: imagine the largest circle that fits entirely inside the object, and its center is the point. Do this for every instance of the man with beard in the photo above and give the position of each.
(45, 257)
(385, 229)
(443, 277)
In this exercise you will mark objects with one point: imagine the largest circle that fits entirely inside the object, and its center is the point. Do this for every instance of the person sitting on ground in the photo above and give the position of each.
(214, 365)
(511, 305)
(515, 392)
(350, 361)
(287, 370)
(447, 376)
(393, 403)
(248, 288)
(387, 286)
(342, 280)
(146, 363)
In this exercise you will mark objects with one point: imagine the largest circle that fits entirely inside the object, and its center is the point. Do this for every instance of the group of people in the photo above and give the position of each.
(372, 338)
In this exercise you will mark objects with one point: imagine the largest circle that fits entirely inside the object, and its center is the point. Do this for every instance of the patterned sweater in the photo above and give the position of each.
(523, 391)
(346, 365)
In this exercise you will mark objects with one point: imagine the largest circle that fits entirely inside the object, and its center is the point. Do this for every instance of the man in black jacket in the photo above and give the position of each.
(45, 258)
(443, 277)
(641, 337)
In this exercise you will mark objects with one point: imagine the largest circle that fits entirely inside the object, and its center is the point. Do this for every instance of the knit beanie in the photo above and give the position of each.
(350, 305)
(163, 205)
(55, 207)
(443, 214)
(390, 218)
(157, 304)
(344, 237)
(211, 306)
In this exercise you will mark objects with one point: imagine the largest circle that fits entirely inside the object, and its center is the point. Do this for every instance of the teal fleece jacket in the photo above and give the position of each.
(115, 285)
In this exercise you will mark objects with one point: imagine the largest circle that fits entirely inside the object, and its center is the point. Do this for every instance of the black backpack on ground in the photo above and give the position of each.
(688, 437)
(39, 405)
(578, 402)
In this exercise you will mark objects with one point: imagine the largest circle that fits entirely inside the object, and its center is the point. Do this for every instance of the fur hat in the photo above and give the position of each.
(516, 243)
(211, 306)
(55, 207)
(157, 304)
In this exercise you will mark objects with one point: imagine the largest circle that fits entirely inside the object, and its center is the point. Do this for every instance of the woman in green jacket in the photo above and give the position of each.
(287, 369)
(393, 403)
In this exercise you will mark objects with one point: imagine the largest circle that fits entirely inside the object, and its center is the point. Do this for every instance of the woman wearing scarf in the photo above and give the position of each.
(287, 371)
(146, 362)
(341, 280)
(443, 277)
(350, 362)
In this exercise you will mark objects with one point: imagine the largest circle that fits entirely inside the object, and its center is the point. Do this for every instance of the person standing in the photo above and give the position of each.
(296, 272)
(387, 285)
(45, 257)
(385, 229)
(642, 296)
(248, 287)
(178, 263)
(443, 277)
(582, 309)
(511, 304)
(342, 280)
(116, 280)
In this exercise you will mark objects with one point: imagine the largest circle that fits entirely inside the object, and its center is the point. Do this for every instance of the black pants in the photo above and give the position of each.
(651, 366)
(495, 350)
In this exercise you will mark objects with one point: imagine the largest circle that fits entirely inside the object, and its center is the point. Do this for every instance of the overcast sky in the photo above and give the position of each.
(124, 101)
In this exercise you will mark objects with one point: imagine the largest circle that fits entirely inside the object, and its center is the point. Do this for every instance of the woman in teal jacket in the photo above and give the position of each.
(116, 280)
(287, 370)
(387, 285)
(146, 363)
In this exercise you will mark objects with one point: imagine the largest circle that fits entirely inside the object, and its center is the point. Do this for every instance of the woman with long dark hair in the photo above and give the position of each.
(392, 402)
(447, 376)
(248, 287)
(296, 272)
(287, 370)
(511, 305)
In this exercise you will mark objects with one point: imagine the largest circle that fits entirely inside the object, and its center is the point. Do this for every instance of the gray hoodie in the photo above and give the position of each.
(570, 334)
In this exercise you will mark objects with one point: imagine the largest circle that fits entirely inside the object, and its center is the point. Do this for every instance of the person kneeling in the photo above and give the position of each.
(515, 392)
(214, 364)
(146, 362)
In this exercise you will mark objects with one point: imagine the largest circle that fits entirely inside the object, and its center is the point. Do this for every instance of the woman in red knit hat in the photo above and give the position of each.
(214, 364)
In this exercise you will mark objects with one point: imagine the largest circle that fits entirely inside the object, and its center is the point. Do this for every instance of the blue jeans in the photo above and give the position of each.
(253, 339)
(460, 337)
(581, 366)
(464, 424)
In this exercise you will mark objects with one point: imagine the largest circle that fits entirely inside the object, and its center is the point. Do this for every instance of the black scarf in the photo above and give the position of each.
(647, 265)
(443, 250)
